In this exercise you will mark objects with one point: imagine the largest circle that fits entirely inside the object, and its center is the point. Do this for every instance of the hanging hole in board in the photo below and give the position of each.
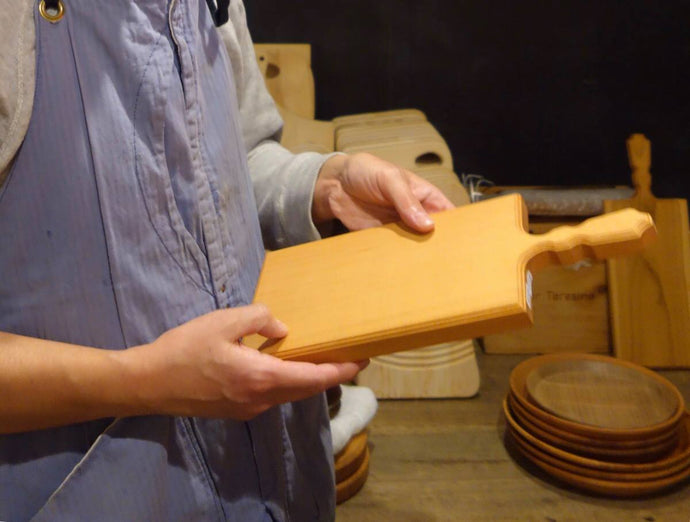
(51, 10)
(428, 158)
(272, 70)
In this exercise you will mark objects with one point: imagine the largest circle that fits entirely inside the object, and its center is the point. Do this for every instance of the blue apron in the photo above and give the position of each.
(128, 211)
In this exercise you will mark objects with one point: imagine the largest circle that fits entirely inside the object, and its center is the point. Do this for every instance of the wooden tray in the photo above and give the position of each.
(518, 387)
(388, 289)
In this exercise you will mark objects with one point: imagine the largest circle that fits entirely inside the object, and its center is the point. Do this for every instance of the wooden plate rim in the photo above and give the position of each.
(679, 454)
(518, 388)
(650, 376)
(570, 467)
(622, 449)
(352, 484)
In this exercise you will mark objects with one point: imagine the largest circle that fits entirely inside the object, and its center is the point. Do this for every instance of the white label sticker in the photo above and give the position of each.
(528, 286)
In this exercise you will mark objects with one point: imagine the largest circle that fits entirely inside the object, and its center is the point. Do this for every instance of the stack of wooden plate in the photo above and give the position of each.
(351, 467)
(598, 423)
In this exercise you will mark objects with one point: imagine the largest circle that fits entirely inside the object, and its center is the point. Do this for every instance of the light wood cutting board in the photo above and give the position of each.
(388, 289)
(287, 72)
(648, 292)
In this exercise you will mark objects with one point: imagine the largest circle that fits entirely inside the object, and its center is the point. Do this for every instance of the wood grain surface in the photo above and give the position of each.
(388, 289)
(648, 292)
(288, 76)
(518, 387)
(443, 370)
(601, 393)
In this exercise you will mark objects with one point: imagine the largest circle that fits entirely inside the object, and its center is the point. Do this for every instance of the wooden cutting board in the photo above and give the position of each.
(287, 72)
(411, 145)
(648, 292)
(388, 289)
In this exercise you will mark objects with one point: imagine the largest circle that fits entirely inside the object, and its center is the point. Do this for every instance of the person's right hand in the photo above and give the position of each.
(201, 368)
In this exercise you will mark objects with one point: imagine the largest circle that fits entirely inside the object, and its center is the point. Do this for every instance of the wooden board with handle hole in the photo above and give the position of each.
(388, 289)
(648, 292)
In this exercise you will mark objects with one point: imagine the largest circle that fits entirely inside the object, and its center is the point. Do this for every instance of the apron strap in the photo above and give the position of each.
(219, 10)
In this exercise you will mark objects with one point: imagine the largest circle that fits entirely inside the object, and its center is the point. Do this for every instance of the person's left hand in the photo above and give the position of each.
(363, 191)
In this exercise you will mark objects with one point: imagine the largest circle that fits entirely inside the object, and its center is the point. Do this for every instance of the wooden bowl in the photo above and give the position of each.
(679, 456)
(638, 451)
(518, 387)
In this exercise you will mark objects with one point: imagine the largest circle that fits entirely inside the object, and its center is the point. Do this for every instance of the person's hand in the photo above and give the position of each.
(201, 368)
(363, 191)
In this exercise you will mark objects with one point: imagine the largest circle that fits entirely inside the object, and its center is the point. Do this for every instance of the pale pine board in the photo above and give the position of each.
(445, 370)
(387, 289)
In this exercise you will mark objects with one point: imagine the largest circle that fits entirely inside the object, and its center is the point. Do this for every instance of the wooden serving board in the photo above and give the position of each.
(388, 289)
(411, 145)
(288, 76)
(377, 118)
(648, 292)
(306, 135)
(446, 370)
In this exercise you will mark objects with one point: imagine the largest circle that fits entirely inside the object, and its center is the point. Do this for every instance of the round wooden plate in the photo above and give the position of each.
(518, 387)
(669, 436)
(679, 455)
(602, 393)
(605, 450)
(614, 488)
(350, 458)
(351, 485)
(533, 453)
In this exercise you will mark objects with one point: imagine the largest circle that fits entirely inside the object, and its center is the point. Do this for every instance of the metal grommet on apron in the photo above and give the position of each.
(52, 10)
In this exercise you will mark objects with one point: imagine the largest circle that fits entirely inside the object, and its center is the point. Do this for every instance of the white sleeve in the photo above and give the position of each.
(283, 181)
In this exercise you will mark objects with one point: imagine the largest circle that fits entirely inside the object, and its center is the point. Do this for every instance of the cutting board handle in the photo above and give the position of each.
(617, 233)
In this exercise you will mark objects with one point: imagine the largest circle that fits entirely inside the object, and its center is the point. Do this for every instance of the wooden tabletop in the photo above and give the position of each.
(445, 460)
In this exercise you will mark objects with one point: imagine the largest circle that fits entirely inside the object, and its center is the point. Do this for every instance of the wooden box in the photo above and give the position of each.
(571, 310)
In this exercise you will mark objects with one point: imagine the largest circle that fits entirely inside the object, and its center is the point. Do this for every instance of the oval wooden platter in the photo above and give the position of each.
(518, 387)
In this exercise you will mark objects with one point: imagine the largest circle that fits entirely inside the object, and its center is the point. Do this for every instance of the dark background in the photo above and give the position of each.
(524, 93)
